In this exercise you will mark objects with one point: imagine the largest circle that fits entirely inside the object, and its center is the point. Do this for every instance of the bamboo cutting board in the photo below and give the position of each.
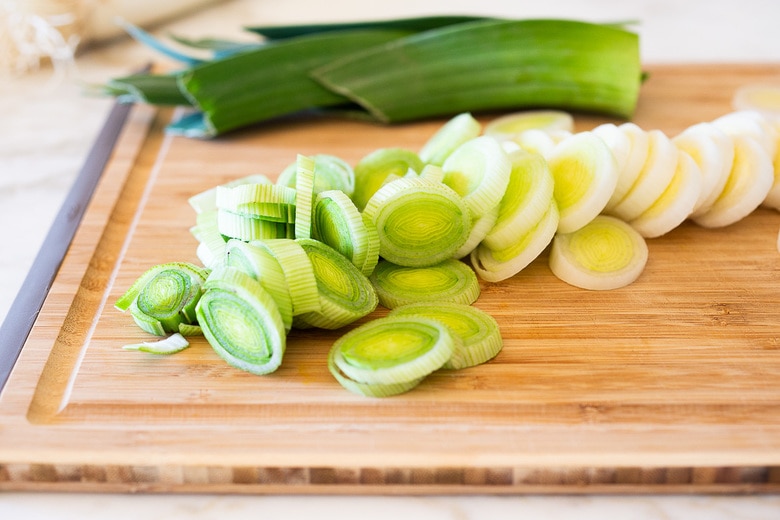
(670, 384)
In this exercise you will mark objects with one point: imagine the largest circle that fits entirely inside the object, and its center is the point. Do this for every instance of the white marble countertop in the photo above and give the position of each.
(48, 124)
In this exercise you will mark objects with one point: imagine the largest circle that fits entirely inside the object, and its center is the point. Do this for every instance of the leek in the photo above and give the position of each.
(345, 293)
(164, 297)
(393, 350)
(448, 281)
(241, 321)
(478, 332)
(455, 132)
(419, 222)
(493, 64)
(605, 254)
(379, 167)
(170, 345)
(333, 173)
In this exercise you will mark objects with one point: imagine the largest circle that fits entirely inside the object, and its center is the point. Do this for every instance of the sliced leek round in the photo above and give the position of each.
(345, 294)
(479, 230)
(369, 389)
(458, 130)
(675, 204)
(713, 151)
(419, 222)
(378, 167)
(479, 334)
(298, 273)
(495, 265)
(605, 254)
(653, 179)
(393, 350)
(630, 170)
(207, 200)
(337, 222)
(241, 322)
(257, 260)
(448, 281)
(332, 173)
(762, 97)
(527, 198)
(304, 195)
(478, 170)
(749, 123)
(750, 179)
(510, 126)
(585, 174)
(164, 297)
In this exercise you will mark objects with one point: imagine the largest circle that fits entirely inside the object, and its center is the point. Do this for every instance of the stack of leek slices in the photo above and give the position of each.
(415, 231)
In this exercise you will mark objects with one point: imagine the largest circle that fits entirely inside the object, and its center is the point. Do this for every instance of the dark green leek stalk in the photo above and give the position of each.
(270, 81)
(493, 64)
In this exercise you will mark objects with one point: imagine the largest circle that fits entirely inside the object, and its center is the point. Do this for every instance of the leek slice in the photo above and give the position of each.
(304, 195)
(750, 123)
(448, 281)
(339, 224)
(393, 350)
(241, 321)
(298, 273)
(375, 169)
(419, 222)
(713, 151)
(246, 227)
(164, 297)
(585, 175)
(332, 173)
(207, 200)
(211, 243)
(762, 97)
(639, 149)
(479, 230)
(369, 389)
(605, 254)
(527, 198)
(653, 179)
(479, 334)
(750, 179)
(170, 345)
(521, 63)
(256, 260)
(478, 170)
(345, 293)
(495, 265)
(538, 141)
(458, 130)
(675, 204)
(261, 201)
(511, 126)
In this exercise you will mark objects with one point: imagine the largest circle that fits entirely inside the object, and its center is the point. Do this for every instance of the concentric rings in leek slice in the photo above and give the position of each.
(585, 174)
(164, 297)
(607, 253)
(337, 222)
(480, 336)
(447, 281)
(241, 321)
(393, 350)
(368, 389)
(345, 294)
(495, 265)
(419, 222)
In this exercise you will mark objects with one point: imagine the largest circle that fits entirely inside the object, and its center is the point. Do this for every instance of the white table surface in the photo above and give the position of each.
(47, 125)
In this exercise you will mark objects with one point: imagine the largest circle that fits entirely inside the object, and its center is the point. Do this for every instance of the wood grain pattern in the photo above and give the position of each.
(669, 385)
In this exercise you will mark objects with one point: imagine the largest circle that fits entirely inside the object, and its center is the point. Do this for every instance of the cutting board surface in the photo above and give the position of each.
(670, 383)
